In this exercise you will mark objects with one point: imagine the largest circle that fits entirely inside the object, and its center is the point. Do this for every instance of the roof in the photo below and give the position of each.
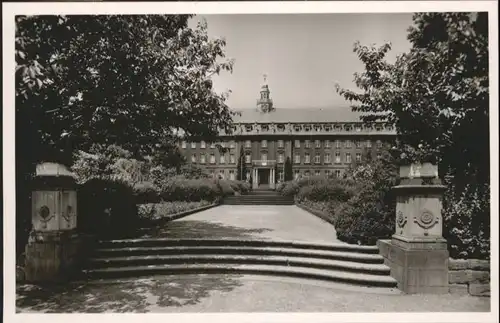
(312, 115)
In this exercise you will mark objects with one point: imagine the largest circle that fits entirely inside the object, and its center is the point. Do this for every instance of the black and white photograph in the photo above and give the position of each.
(163, 158)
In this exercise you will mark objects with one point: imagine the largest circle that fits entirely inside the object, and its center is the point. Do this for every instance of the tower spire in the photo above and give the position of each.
(264, 103)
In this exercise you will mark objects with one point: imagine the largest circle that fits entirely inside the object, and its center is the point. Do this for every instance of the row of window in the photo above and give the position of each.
(230, 174)
(281, 158)
(297, 143)
(317, 127)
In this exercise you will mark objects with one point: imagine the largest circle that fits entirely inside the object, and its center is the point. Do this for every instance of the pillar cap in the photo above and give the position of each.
(53, 169)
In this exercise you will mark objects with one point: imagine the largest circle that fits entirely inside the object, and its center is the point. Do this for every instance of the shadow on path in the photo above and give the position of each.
(200, 229)
(137, 295)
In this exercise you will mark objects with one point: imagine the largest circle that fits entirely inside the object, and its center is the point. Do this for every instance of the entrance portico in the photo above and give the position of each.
(263, 174)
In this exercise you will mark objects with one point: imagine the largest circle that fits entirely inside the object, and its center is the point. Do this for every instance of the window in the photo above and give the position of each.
(212, 159)
(307, 158)
(338, 173)
(193, 145)
(231, 144)
(317, 143)
(203, 144)
(348, 158)
(247, 175)
(296, 174)
(183, 144)
(368, 144)
(202, 159)
(248, 144)
(379, 144)
(212, 173)
(378, 127)
(264, 144)
(264, 156)
(221, 174)
(307, 128)
(231, 159)
(358, 144)
(281, 176)
(328, 173)
(281, 144)
(307, 173)
(281, 158)
(296, 128)
(193, 158)
(231, 175)
(297, 144)
(327, 128)
(337, 144)
(307, 144)
(317, 173)
(222, 159)
(337, 157)
(358, 157)
(297, 159)
(327, 143)
(248, 128)
(348, 144)
(317, 158)
(248, 159)
(327, 158)
(212, 145)
(357, 128)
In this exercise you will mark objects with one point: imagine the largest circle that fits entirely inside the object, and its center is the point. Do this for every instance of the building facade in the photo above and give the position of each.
(317, 142)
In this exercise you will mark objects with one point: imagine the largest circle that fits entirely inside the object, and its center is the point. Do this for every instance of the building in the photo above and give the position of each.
(316, 141)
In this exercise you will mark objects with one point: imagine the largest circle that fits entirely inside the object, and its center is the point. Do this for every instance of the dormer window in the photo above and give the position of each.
(378, 127)
(248, 128)
(358, 128)
(338, 127)
(327, 127)
(307, 128)
(265, 128)
(317, 127)
(281, 127)
(348, 128)
(296, 128)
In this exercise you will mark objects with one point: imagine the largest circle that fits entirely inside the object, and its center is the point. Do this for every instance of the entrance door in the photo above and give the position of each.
(264, 177)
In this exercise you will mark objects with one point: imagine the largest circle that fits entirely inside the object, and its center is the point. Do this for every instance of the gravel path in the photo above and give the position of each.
(251, 222)
(233, 293)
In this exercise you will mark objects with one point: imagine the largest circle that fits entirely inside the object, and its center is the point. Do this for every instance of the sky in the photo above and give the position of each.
(303, 55)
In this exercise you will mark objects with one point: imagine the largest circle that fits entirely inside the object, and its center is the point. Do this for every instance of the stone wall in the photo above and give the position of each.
(469, 277)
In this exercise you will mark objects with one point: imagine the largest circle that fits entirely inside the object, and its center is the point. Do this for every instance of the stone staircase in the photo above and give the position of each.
(259, 197)
(352, 264)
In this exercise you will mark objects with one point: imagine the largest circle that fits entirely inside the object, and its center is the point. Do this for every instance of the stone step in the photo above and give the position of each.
(303, 272)
(357, 257)
(164, 242)
(148, 260)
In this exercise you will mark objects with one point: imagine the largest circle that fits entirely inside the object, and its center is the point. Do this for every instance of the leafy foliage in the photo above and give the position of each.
(437, 97)
(135, 81)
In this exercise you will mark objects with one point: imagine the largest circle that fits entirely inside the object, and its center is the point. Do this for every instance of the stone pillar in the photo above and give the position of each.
(418, 254)
(271, 178)
(255, 178)
(51, 252)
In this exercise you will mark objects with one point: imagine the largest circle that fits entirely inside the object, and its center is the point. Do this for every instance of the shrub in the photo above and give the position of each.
(241, 187)
(107, 208)
(179, 188)
(326, 190)
(225, 187)
(146, 192)
(158, 211)
(466, 214)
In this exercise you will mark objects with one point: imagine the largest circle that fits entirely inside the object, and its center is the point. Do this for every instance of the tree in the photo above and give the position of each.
(241, 166)
(437, 97)
(139, 82)
(288, 170)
